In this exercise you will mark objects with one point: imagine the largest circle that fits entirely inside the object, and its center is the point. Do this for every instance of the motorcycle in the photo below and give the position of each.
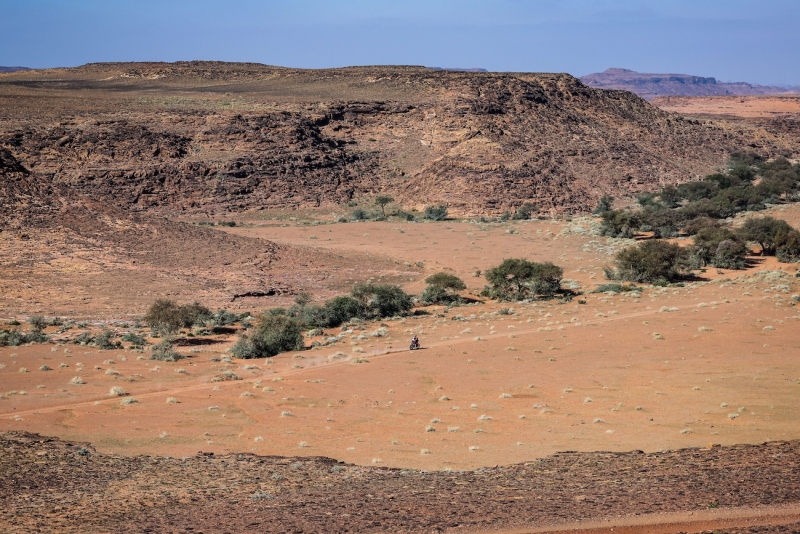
(414, 344)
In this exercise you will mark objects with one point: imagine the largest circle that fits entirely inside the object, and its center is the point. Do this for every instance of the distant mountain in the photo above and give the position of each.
(12, 69)
(650, 86)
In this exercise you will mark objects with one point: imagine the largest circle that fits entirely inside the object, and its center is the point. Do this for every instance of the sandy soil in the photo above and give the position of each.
(711, 362)
(737, 106)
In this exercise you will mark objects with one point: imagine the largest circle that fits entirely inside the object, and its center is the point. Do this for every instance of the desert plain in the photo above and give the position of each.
(608, 411)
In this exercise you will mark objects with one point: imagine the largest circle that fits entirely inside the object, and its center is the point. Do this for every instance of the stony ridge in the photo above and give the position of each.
(204, 137)
(69, 487)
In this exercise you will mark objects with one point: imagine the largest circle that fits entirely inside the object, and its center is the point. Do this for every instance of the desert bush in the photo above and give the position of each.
(103, 340)
(651, 261)
(133, 339)
(620, 223)
(166, 316)
(38, 322)
(382, 300)
(604, 204)
(616, 288)
(699, 223)
(787, 246)
(273, 334)
(526, 211)
(708, 249)
(84, 338)
(359, 215)
(223, 317)
(341, 309)
(435, 213)
(164, 351)
(518, 279)
(442, 289)
(766, 231)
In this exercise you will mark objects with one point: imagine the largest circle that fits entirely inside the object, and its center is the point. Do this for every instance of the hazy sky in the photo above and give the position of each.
(733, 40)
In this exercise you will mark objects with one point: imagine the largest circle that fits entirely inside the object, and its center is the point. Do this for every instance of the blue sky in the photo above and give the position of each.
(734, 40)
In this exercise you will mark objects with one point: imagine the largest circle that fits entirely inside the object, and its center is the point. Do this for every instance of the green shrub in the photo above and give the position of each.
(38, 322)
(273, 334)
(526, 211)
(165, 351)
(84, 338)
(787, 246)
(442, 289)
(620, 223)
(103, 340)
(166, 316)
(133, 339)
(435, 213)
(651, 261)
(518, 279)
(359, 215)
(616, 288)
(604, 204)
(341, 309)
(707, 251)
(223, 318)
(382, 300)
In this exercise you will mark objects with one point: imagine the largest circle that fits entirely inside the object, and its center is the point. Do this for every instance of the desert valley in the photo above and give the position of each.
(609, 391)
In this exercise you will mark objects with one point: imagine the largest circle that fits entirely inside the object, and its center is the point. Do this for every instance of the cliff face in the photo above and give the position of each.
(650, 86)
(216, 137)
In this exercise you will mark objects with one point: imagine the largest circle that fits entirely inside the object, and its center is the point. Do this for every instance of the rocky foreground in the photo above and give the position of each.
(47, 485)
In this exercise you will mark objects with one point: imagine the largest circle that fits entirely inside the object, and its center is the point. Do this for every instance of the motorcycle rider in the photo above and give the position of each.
(415, 341)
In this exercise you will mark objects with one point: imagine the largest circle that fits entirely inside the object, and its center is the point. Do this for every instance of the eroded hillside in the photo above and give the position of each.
(214, 137)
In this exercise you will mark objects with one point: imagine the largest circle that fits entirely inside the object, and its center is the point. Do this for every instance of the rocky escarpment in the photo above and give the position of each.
(650, 86)
(215, 137)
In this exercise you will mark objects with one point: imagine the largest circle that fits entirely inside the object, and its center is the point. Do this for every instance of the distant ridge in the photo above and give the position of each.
(650, 86)
(455, 69)
(13, 69)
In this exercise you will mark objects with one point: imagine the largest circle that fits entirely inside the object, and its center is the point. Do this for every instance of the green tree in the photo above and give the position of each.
(382, 201)
(518, 279)
(651, 261)
(382, 300)
(272, 335)
(442, 288)
(765, 231)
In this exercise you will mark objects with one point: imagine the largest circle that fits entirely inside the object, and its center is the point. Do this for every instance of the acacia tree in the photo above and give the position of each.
(442, 288)
(518, 279)
(382, 201)
(766, 231)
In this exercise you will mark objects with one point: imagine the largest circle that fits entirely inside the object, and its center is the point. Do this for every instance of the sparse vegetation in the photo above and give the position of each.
(273, 334)
(164, 351)
(435, 213)
(167, 317)
(518, 279)
(442, 289)
(650, 261)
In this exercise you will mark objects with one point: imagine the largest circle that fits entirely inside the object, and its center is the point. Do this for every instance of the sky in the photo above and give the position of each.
(756, 41)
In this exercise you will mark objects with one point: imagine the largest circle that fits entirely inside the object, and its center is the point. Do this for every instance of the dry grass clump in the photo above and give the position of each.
(77, 381)
(112, 372)
(128, 401)
(45, 368)
(117, 391)
(172, 400)
(225, 376)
